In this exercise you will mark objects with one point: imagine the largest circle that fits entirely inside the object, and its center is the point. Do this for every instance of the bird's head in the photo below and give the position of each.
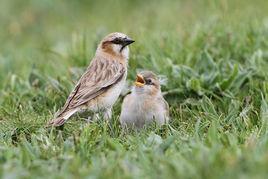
(116, 44)
(147, 83)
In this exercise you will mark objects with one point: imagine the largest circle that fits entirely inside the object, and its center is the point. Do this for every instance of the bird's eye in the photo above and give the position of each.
(149, 82)
(116, 41)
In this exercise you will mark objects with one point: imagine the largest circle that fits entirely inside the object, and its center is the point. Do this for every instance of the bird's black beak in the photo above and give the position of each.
(127, 41)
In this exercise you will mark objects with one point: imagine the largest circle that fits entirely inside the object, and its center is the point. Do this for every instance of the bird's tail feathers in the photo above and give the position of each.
(60, 120)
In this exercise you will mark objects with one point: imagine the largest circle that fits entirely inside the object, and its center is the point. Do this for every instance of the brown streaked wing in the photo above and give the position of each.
(100, 75)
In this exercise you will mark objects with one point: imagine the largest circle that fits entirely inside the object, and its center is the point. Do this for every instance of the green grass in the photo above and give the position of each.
(214, 55)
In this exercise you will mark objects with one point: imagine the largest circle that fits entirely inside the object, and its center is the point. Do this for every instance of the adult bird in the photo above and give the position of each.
(101, 84)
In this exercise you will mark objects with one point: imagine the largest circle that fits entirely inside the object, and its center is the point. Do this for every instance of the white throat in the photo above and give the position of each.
(124, 52)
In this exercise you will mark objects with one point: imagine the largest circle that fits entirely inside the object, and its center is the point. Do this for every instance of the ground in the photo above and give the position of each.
(212, 57)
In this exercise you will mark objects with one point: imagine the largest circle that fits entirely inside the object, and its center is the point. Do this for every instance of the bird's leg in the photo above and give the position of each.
(107, 114)
(89, 119)
(96, 117)
(93, 117)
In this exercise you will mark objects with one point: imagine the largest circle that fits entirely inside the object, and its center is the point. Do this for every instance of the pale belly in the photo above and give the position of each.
(106, 100)
(139, 114)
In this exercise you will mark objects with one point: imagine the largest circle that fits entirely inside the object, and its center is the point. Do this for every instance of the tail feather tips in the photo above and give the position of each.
(57, 122)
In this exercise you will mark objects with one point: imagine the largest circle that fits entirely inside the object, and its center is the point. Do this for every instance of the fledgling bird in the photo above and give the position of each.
(145, 104)
(101, 84)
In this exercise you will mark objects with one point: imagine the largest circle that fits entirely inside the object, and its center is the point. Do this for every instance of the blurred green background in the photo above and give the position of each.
(212, 55)
(54, 35)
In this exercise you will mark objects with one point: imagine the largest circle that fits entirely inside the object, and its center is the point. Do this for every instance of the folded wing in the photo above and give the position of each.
(99, 77)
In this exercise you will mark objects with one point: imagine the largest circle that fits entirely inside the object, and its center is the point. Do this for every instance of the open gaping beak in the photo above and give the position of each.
(139, 81)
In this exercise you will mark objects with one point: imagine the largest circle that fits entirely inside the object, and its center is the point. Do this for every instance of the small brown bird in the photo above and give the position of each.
(101, 84)
(145, 104)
